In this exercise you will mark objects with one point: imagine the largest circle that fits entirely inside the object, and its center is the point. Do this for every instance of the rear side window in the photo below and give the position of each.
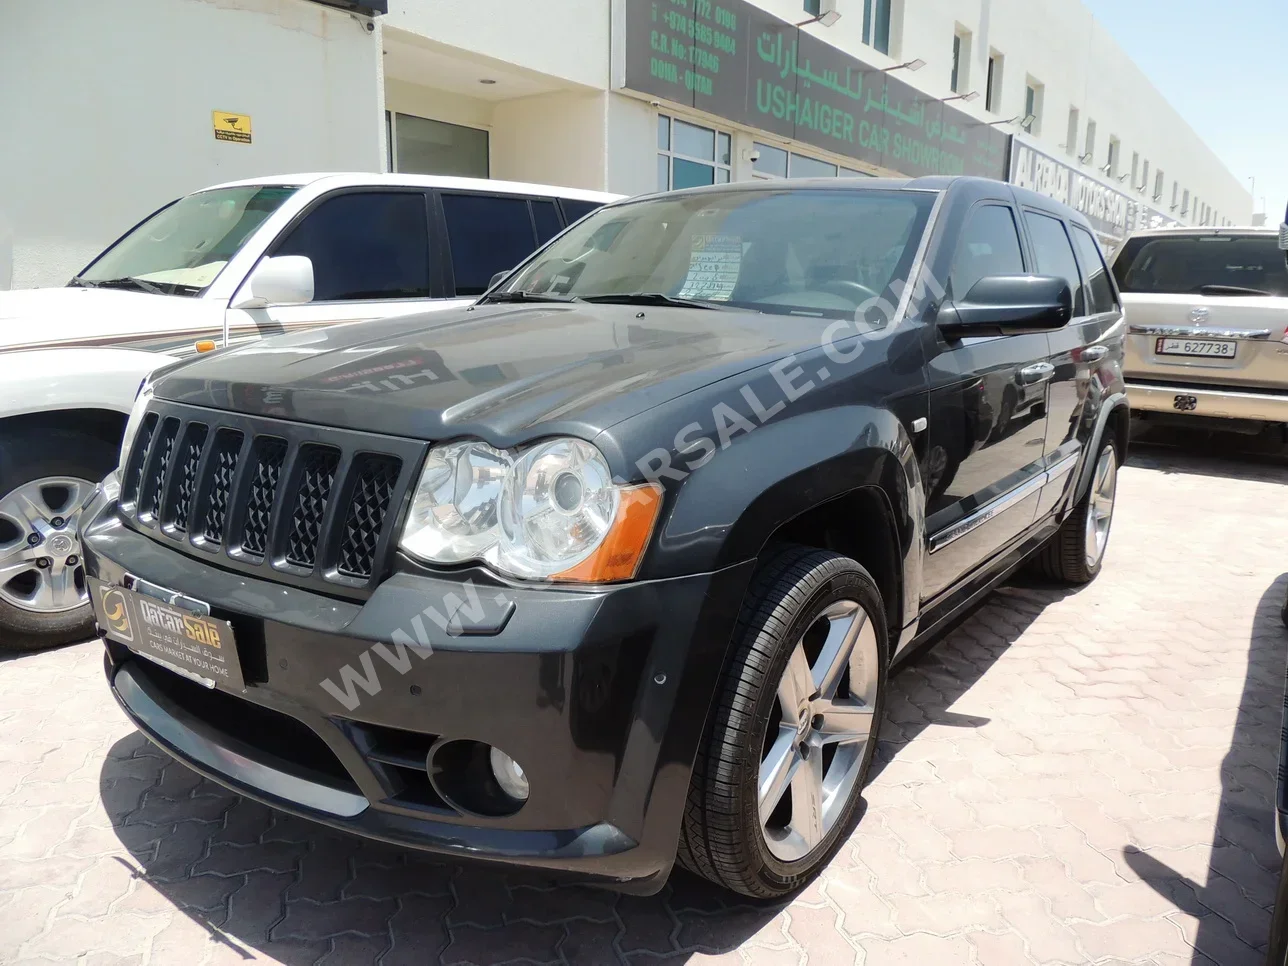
(1203, 265)
(487, 234)
(577, 210)
(1100, 293)
(990, 245)
(365, 245)
(546, 218)
(1054, 253)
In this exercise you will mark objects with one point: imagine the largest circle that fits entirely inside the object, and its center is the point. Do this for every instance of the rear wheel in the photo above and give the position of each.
(44, 480)
(777, 784)
(1077, 552)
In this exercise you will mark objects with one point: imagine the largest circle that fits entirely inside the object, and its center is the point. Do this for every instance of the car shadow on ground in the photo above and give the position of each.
(1244, 866)
(1174, 450)
(929, 683)
(255, 879)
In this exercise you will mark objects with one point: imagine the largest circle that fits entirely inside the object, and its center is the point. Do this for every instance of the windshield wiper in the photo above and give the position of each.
(128, 282)
(650, 298)
(1230, 290)
(521, 296)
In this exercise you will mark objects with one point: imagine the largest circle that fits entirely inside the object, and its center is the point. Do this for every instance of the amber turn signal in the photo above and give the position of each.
(620, 555)
(206, 345)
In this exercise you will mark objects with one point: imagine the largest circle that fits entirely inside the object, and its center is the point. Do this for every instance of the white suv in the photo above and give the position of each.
(1207, 310)
(243, 260)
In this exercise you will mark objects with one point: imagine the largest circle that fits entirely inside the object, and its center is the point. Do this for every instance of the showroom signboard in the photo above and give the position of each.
(735, 61)
(1113, 213)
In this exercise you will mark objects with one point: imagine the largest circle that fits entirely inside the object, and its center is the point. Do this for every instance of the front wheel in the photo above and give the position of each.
(44, 479)
(1077, 552)
(776, 785)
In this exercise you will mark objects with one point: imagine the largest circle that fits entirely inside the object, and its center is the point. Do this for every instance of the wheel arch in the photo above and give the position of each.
(874, 544)
(1114, 420)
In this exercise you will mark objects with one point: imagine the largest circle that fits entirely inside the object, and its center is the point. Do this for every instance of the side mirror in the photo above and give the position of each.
(1010, 305)
(282, 280)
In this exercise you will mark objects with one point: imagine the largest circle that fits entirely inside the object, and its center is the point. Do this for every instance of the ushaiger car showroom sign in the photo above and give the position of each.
(733, 60)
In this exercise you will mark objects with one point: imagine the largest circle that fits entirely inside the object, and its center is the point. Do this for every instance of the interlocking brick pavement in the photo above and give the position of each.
(1069, 778)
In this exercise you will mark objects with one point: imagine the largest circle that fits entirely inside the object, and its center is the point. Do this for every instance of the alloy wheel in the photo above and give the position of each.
(818, 734)
(1100, 509)
(42, 568)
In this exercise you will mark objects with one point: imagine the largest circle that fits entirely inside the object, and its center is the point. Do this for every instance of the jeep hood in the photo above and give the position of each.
(503, 373)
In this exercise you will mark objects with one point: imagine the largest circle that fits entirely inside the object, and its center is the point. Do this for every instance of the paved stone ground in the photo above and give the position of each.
(1069, 778)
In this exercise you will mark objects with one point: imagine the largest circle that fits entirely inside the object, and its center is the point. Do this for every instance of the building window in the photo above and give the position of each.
(993, 98)
(1158, 185)
(1115, 152)
(1185, 203)
(689, 155)
(1034, 94)
(1144, 178)
(960, 81)
(418, 145)
(1089, 154)
(876, 24)
(1135, 167)
(812, 8)
(1071, 138)
(780, 163)
(1176, 191)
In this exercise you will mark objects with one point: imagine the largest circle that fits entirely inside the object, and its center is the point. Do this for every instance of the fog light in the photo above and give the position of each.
(509, 775)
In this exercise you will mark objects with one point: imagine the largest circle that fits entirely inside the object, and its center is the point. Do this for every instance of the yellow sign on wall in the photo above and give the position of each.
(231, 127)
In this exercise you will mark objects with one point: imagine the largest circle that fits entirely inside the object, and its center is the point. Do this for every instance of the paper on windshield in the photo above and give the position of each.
(715, 262)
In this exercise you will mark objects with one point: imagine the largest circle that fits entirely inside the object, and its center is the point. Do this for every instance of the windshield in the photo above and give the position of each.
(183, 247)
(1203, 265)
(814, 252)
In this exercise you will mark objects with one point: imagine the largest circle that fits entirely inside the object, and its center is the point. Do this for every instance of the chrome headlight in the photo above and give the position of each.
(549, 511)
(141, 400)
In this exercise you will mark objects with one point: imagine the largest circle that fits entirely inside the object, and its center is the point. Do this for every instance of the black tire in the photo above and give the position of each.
(33, 454)
(722, 839)
(1064, 558)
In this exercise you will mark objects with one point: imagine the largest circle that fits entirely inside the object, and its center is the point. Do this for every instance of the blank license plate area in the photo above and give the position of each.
(1204, 348)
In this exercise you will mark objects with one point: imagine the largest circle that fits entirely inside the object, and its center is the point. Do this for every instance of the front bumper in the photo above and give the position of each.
(600, 694)
(1193, 400)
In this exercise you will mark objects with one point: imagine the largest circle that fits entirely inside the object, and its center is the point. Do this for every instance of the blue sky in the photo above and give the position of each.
(1224, 66)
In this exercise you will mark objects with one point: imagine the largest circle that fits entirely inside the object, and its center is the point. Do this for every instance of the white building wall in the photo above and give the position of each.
(108, 111)
(1060, 44)
(565, 39)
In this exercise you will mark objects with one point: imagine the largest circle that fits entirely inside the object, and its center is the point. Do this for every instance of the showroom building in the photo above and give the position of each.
(118, 107)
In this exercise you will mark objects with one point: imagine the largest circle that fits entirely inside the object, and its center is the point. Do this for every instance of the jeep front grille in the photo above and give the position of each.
(287, 501)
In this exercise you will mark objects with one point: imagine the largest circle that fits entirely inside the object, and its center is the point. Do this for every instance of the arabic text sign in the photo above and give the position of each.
(733, 60)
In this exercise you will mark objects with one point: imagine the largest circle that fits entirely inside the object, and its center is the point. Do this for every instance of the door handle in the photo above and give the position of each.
(1038, 373)
(1095, 353)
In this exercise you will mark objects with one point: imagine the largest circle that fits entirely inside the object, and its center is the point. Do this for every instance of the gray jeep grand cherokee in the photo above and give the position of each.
(609, 570)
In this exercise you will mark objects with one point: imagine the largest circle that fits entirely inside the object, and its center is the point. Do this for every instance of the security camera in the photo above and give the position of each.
(754, 156)
(654, 103)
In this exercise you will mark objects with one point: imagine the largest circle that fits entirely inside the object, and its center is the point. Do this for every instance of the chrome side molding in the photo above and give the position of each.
(1010, 498)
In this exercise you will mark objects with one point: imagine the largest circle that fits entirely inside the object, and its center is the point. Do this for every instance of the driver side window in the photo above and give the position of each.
(990, 245)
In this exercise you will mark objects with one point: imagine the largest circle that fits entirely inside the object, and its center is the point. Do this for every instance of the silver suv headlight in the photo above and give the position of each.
(547, 511)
